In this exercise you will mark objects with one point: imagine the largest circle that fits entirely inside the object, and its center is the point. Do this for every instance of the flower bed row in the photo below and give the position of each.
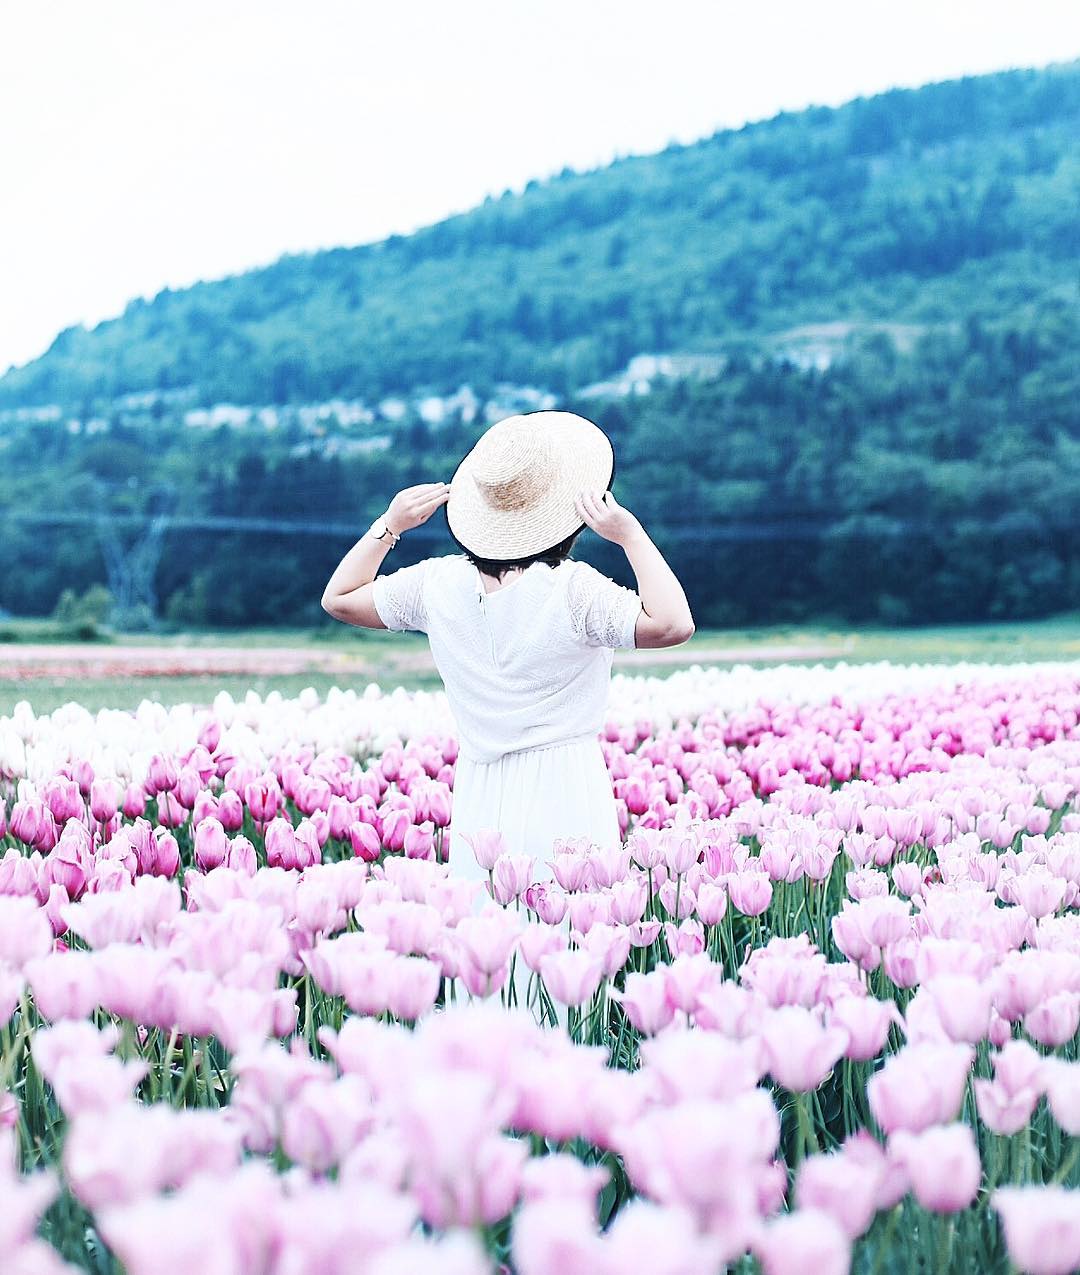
(817, 1011)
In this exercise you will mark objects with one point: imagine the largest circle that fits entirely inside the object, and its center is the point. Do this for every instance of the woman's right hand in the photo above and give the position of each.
(414, 505)
(603, 513)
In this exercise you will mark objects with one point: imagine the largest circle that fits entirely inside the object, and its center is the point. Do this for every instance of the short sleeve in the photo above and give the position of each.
(602, 613)
(399, 597)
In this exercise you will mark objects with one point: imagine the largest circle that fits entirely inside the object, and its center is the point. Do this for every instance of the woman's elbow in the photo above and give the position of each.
(658, 634)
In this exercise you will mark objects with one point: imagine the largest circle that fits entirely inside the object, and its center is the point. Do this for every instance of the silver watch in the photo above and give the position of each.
(381, 531)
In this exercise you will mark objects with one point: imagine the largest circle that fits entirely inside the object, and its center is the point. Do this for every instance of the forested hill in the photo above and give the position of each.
(919, 206)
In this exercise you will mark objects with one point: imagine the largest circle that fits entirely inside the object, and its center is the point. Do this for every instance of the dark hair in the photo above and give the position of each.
(498, 567)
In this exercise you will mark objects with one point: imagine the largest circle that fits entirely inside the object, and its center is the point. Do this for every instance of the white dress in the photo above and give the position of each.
(526, 670)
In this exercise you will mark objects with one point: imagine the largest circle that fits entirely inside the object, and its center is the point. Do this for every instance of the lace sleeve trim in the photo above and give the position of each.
(399, 598)
(602, 613)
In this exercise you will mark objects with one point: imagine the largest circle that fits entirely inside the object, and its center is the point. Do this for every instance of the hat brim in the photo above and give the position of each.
(586, 460)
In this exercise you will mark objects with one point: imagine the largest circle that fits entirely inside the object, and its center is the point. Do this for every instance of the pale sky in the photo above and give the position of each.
(146, 143)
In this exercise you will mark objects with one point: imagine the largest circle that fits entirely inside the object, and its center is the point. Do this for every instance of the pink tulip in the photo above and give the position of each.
(644, 1000)
(66, 864)
(711, 904)
(549, 903)
(1055, 1020)
(1062, 1081)
(511, 874)
(27, 818)
(629, 898)
(365, 841)
(166, 862)
(263, 797)
(489, 940)
(1006, 1103)
(211, 844)
(843, 1186)
(134, 803)
(1038, 892)
(241, 856)
(799, 1051)
(25, 932)
(162, 774)
(749, 892)
(324, 1120)
(571, 977)
(908, 878)
(867, 1022)
(942, 1164)
(230, 811)
(280, 842)
(609, 944)
(587, 910)
(570, 870)
(419, 842)
(962, 1005)
(1042, 1227)
(920, 1086)
(486, 846)
(104, 799)
(807, 1240)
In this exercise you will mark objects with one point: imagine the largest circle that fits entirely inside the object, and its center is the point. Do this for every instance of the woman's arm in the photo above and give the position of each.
(665, 619)
(347, 595)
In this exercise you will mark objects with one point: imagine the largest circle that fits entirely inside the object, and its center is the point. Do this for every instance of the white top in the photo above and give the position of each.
(525, 666)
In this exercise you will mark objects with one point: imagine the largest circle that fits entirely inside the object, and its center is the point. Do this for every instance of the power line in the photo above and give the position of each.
(753, 530)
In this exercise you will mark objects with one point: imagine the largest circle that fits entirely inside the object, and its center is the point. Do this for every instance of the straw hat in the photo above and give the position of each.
(513, 494)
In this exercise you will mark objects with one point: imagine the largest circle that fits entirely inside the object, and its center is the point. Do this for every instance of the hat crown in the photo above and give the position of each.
(512, 466)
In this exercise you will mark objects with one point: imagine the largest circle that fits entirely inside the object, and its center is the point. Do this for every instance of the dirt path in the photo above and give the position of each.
(23, 662)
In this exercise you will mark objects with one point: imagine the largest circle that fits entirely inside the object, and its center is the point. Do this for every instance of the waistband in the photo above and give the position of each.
(572, 741)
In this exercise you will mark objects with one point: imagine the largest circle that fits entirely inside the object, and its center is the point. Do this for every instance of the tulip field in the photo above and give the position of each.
(817, 1012)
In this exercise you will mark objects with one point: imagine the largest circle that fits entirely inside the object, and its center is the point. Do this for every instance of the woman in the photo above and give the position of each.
(523, 635)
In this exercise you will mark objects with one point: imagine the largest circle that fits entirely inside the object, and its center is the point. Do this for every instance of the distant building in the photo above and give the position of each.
(643, 370)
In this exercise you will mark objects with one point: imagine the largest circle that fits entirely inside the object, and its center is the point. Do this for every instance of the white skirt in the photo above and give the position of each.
(532, 797)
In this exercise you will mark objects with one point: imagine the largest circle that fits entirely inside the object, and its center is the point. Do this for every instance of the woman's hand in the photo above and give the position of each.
(414, 505)
(603, 513)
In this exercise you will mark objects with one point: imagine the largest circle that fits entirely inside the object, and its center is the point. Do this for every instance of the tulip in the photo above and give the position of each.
(162, 774)
(263, 798)
(843, 1186)
(1062, 1083)
(962, 1005)
(1038, 892)
(365, 841)
(280, 842)
(211, 844)
(486, 846)
(807, 1240)
(1055, 1020)
(412, 986)
(511, 874)
(645, 1002)
(571, 977)
(942, 1164)
(1042, 1227)
(799, 1051)
(749, 892)
(711, 904)
(920, 1086)
(867, 1022)
(629, 898)
(489, 940)
(548, 903)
